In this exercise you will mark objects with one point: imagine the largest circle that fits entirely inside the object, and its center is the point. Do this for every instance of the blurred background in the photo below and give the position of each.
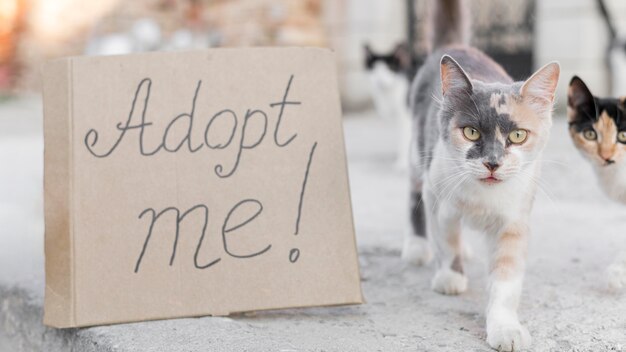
(521, 34)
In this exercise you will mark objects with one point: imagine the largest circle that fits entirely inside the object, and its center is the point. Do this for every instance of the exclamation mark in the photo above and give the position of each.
(294, 253)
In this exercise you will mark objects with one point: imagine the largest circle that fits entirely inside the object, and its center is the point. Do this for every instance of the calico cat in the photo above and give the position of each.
(389, 76)
(598, 129)
(480, 137)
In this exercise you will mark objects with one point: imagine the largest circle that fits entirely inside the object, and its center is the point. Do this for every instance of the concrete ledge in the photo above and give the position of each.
(21, 328)
(389, 321)
(401, 314)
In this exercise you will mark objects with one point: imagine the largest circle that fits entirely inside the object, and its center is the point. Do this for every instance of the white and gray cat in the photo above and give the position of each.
(598, 128)
(479, 137)
(389, 76)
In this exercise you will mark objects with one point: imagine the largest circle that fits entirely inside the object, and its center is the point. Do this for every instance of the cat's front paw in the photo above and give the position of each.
(416, 250)
(508, 337)
(616, 277)
(616, 273)
(449, 282)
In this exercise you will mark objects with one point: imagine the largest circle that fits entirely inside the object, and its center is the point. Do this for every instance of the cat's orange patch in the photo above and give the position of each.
(505, 267)
(526, 118)
(607, 136)
(511, 247)
(454, 237)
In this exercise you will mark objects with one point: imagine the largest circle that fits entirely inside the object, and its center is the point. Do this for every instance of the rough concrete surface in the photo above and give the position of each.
(576, 234)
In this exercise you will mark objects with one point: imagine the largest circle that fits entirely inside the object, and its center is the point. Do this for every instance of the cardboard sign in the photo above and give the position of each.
(197, 183)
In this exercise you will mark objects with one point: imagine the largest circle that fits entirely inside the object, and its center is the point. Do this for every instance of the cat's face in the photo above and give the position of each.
(494, 131)
(597, 126)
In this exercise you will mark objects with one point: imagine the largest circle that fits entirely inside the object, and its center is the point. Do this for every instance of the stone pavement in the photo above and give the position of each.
(576, 234)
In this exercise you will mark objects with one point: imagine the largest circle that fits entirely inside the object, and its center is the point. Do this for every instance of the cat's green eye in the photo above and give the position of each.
(518, 136)
(590, 135)
(621, 136)
(471, 133)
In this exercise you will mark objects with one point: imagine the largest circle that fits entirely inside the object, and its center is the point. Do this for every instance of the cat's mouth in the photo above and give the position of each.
(490, 180)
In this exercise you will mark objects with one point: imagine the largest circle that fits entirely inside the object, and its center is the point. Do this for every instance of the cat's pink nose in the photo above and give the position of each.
(606, 152)
(491, 166)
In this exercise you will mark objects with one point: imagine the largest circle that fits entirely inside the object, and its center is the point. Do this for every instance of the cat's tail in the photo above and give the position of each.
(449, 23)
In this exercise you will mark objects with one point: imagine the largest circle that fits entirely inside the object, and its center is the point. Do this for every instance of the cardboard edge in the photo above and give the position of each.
(320, 49)
(59, 297)
(216, 314)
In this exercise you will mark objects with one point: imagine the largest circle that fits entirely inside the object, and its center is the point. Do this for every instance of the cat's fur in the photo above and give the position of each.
(389, 83)
(489, 183)
(606, 117)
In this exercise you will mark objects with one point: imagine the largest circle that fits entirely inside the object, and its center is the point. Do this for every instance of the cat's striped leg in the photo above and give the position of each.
(416, 249)
(506, 273)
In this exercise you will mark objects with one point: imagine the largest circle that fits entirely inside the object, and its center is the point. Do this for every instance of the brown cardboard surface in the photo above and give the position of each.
(195, 183)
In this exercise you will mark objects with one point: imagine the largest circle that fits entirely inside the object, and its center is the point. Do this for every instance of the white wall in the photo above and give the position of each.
(573, 33)
(352, 23)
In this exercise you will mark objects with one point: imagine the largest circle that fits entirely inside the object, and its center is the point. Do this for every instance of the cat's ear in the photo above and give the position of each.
(578, 94)
(453, 77)
(539, 89)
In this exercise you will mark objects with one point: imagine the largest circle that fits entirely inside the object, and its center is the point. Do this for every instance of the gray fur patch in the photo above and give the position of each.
(487, 110)
(418, 214)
